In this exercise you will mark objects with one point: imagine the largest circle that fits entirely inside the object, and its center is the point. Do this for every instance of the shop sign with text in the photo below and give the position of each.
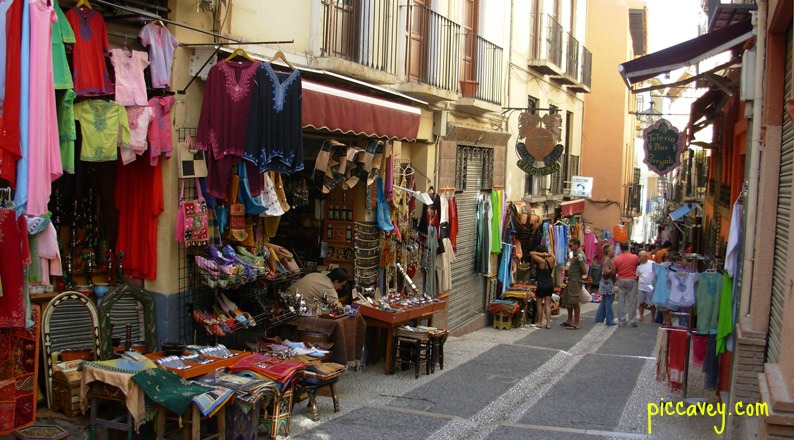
(581, 186)
(663, 146)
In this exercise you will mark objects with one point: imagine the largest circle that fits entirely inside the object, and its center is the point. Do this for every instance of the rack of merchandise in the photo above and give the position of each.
(339, 212)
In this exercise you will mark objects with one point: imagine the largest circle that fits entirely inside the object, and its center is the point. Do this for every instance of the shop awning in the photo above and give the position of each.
(572, 207)
(682, 211)
(685, 54)
(343, 111)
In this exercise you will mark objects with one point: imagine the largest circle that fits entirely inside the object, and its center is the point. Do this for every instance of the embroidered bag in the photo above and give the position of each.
(280, 195)
(253, 205)
(191, 160)
(236, 214)
(194, 218)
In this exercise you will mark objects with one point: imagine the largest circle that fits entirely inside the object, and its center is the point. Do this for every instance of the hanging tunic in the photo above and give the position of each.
(104, 127)
(130, 83)
(707, 293)
(160, 140)
(223, 123)
(139, 200)
(90, 71)
(139, 118)
(4, 7)
(21, 195)
(275, 138)
(67, 132)
(496, 221)
(61, 33)
(13, 236)
(44, 150)
(162, 45)
(10, 119)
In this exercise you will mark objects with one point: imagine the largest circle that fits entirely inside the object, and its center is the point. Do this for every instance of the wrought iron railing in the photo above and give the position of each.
(488, 71)
(433, 49)
(587, 67)
(572, 58)
(546, 36)
(632, 205)
(361, 31)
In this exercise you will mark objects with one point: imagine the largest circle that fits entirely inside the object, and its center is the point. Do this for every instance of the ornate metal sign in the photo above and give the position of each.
(540, 137)
(663, 147)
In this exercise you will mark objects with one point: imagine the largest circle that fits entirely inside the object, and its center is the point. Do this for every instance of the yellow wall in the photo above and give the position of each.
(608, 128)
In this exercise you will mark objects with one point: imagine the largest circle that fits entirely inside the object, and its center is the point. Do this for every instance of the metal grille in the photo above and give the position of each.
(473, 165)
(468, 287)
(128, 311)
(71, 327)
(783, 220)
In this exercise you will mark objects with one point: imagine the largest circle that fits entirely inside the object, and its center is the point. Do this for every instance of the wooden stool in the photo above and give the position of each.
(192, 423)
(502, 321)
(101, 391)
(276, 416)
(311, 393)
(414, 349)
(437, 340)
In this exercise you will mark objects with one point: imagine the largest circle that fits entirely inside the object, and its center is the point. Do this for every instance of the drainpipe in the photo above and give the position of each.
(751, 207)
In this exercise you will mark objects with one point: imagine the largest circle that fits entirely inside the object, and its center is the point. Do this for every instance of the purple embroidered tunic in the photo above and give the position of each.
(223, 122)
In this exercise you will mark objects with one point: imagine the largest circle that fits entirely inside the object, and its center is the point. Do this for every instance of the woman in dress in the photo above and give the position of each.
(545, 284)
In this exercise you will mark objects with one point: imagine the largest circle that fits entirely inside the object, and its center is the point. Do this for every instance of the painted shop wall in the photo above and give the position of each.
(608, 129)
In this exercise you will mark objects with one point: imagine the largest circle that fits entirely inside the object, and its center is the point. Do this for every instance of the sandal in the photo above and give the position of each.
(208, 266)
(377, 160)
(572, 327)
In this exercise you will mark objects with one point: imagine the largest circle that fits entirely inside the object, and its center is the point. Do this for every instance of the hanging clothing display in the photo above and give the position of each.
(734, 239)
(67, 131)
(444, 267)
(130, 84)
(160, 138)
(11, 93)
(708, 292)
(682, 288)
(223, 122)
(275, 137)
(482, 260)
(139, 200)
(89, 69)
(16, 256)
(44, 148)
(4, 7)
(496, 221)
(676, 358)
(662, 285)
(104, 127)
(725, 321)
(61, 33)
(590, 246)
(453, 222)
(139, 118)
(161, 44)
(21, 194)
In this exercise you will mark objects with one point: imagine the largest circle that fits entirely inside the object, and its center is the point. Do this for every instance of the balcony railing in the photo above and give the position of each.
(572, 58)
(361, 31)
(546, 36)
(487, 69)
(433, 52)
(632, 206)
(585, 74)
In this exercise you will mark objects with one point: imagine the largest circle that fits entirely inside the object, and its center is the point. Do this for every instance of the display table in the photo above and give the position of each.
(347, 335)
(197, 370)
(375, 317)
(115, 378)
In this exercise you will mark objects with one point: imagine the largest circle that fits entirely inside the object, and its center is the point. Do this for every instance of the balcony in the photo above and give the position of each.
(432, 62)
(360, 39)
(545, 48)
(585, 73)
(571, 74)
(481, 86)
(632, 205)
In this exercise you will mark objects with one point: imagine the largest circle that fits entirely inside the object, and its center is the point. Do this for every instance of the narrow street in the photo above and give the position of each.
(518, 384)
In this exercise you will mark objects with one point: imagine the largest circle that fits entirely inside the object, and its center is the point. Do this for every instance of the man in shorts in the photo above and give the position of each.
(645, 279)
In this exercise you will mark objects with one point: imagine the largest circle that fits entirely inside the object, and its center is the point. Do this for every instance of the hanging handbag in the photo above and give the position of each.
(301, 195)
(384, 212)
(280, 194)
(192, 162)
(194, 219)
(253, 205)
(236, 213)
(584, 296)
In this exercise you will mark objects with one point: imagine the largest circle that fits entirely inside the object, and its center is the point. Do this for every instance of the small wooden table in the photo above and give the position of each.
(375, 317)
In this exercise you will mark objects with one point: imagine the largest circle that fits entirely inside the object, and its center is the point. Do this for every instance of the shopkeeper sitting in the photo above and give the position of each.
(316, 286)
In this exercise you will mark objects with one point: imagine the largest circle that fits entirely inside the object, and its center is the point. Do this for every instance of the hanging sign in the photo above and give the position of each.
(581, 186)
(663, 146)
(540, 137)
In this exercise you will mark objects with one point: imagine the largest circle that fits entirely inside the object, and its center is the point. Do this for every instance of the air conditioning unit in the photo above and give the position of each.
(440, 122)
(747, 83)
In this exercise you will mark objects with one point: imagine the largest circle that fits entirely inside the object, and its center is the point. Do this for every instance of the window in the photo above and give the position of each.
(532, 104)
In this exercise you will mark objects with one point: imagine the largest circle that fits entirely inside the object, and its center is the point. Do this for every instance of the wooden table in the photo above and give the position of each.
(375, 317)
